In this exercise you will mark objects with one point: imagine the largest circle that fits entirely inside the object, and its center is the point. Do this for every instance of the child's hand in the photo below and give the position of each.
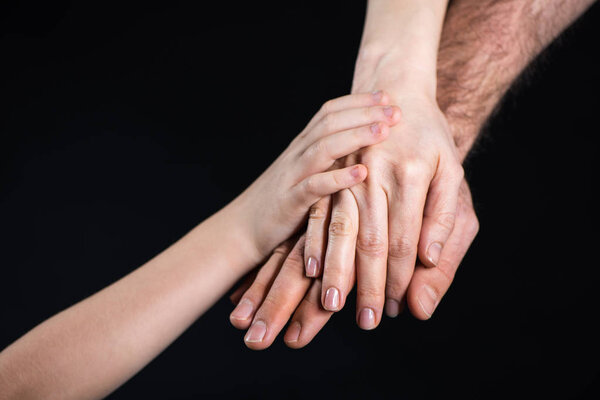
(277, 203)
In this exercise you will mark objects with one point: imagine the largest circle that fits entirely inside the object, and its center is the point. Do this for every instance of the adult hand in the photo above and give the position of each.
(281, 291)
(406, 206)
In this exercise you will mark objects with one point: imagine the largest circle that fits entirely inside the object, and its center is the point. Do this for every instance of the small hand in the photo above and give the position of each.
(277, 203)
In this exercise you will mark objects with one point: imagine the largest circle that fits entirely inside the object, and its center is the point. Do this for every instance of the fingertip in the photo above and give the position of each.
(358, 172)
(311, 267)
(292, 335)
(367, 319)
(393, 114)
(239, 323)
(385, 98)
(331, 300)
(432, 254)
(380, 131)
(242, 315)
(256, 335)
(393, 308)
(380, 97)
(423, 301)
(297, 344)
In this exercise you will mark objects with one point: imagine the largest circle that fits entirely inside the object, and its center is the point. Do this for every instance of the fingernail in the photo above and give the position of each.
(427, 299)
(392, 308)
(356, 172)
(243, 310)
(256, 333)
(293, 332)
(377, 95)
(332, 299)
(366, 318)
(311, 267)
(375, 129)
(433, 252)
(388, 111)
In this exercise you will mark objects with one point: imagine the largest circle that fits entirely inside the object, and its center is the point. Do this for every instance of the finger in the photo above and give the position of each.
(357, 100)
(310, 317)
(321, 155)
(242, 315)
(406, 213)
(341, 249)
(439, 214)
(313, 188)
(353, 118)
(429, 285)
(237, 294)
(316, 236)
(371, 256)
(285, 294)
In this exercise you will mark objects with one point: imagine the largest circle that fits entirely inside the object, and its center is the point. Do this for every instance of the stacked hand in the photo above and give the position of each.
(400, 234)
(385, 199)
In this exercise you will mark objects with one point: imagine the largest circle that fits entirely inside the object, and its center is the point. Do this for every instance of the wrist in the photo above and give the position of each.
(400, 44)
(464, 127)
(230, 230)
(380, 67)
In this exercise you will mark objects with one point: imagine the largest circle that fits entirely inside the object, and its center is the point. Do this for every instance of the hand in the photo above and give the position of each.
(280, 290)
(407, 206)
(297, 179)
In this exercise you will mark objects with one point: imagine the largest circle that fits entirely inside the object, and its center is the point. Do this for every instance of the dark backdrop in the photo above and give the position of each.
(123, 127)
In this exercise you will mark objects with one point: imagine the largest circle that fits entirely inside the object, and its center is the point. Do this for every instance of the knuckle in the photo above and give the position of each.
(329, 123)
(412, 172)
(395, 289)
(312, 302)
(317, 212)
(458, 172)
(401, 247)
(334, 270)
(315, 149)
(326, 107)
(444, 279)
(254, 293)
(446, 221)
(371, 156)
(473, 226)
(368, 113)
(271, 302)
(371, 244)
(311, 185)
(295, 260)
(341, 224)
(281, 251)
(369, 292)
(468, 219)
(338, 178)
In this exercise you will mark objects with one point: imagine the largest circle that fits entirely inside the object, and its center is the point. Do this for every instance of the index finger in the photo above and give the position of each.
(429, 285)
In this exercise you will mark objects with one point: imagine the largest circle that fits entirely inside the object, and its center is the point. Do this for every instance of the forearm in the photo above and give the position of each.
(91, 348)
(399, 47)
(485, 46)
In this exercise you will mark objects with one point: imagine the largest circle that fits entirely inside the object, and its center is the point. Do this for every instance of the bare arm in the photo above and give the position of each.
(485, 46)
(89, 349)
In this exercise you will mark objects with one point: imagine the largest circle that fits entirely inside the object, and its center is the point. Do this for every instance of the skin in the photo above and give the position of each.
(485, 44)
(91, 348)
(420, 157)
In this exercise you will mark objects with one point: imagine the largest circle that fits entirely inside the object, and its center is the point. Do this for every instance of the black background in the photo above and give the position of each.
(123, 127)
